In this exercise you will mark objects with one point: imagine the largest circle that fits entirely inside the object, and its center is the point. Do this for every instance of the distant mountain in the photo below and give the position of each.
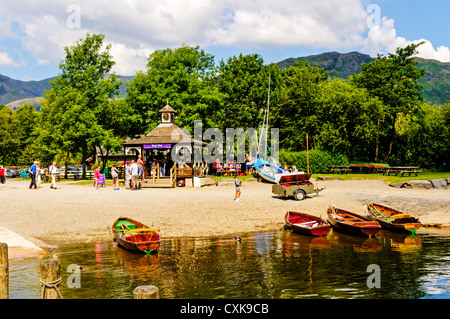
(340, 65)
(436, 82)
(13, 90)
(15, 93)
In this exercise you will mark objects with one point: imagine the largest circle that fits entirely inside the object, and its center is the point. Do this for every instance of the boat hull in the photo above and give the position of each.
(306, 224)
(139, 239)
(351, 223)
(266, 170)
(404, 223)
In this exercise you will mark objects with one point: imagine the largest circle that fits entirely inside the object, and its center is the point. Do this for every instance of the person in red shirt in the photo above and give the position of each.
(2, 175)
(140, 163)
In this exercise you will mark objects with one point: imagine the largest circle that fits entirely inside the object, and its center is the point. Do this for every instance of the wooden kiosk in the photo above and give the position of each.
(156, 149)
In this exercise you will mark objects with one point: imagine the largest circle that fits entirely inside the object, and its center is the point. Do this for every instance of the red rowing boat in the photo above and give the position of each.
(306, 224)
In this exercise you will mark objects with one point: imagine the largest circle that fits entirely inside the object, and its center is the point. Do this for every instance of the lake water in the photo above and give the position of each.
(279, 264)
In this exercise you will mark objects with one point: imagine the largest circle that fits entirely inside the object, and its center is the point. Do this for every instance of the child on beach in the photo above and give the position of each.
(238, 184)
(115, 176)
(2, 175)
(96, 177)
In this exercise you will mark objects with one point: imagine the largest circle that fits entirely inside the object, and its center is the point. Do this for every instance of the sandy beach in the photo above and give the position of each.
(78, 213)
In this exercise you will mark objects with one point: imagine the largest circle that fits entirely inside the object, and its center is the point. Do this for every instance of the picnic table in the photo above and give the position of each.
(402, 170)
(228, 168)
(339, 169)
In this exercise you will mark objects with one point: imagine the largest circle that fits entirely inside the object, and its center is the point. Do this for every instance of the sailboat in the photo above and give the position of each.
(265, 169)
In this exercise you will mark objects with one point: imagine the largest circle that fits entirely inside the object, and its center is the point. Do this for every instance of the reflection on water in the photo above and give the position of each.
(266, 265)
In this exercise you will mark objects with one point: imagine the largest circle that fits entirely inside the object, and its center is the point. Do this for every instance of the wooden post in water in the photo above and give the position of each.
(50, 279)
(146, 292)
(4, 276)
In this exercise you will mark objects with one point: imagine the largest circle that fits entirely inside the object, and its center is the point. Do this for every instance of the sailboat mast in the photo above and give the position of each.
(264, 128)
(267, 121)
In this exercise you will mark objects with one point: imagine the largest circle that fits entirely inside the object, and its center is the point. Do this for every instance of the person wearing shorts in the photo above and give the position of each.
(238, 184)
(96, 178)
(134, 171)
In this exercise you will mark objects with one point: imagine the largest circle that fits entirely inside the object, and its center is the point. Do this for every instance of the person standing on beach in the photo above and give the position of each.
(96, 177)
(53, 171)
(115, 176)
(134, 170)
(126, 172)
(32, 170)
(238, 184)
(2, 175)
(140, 163)
(39, 171)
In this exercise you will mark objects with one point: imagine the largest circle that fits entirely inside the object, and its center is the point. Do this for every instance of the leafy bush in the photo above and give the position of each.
(318, 160)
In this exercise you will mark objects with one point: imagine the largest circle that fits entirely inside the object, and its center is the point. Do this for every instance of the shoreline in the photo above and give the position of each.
(80, 214)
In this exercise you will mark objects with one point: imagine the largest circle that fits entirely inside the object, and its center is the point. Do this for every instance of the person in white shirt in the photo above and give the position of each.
(134, 171)
(53, 173)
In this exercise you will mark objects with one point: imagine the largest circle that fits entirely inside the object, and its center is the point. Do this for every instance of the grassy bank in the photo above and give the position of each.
(350, 176)
(388, 179)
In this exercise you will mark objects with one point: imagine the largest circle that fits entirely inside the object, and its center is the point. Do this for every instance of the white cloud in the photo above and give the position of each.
(129, 60)
(427, 51)
(6, 60)
(331, 24)
(135, 28)
(383, 39)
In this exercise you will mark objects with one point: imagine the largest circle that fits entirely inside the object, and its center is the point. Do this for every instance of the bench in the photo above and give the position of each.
(409, 172)
(339, 169)
(402, 170)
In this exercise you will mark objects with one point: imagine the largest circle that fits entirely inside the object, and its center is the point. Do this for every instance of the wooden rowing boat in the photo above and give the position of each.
(135, 236)
(306, 224)
(393, 219)
(352, 223)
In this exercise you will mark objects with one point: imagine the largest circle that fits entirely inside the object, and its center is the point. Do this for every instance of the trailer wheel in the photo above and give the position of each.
(299, 194)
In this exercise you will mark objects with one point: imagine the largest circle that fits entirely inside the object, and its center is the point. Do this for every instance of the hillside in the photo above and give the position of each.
(12, 90)
(15, 93)
(436, 82)
(339, 65)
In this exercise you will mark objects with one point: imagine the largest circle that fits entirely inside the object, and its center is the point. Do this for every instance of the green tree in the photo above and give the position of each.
(28, 119)
(296, 114)
(346, 118)
(394, 80)
(425, 137)
(9, 140)
(78, 106)
(184, 78)
(68, 126)
(244, 81)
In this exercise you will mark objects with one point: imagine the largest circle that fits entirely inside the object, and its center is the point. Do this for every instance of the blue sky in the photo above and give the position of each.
(34, 33)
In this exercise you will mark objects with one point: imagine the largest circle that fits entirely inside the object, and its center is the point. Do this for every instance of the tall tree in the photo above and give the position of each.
(244, 81)
(9, 141)
(82, 91)
(394, 80)
(425, 137)
(346, 118)
(184, 78)
(296, 115)
(27, 133)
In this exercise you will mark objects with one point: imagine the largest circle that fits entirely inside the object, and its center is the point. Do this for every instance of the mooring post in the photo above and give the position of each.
(4, 276)
(146, 292)
(50, 279)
